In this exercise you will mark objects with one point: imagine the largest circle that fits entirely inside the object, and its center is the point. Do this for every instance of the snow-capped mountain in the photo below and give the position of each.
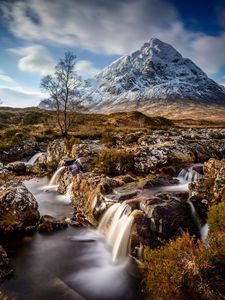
(155, 72)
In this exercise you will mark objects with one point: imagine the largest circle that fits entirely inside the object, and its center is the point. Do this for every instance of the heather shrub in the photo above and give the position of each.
(114, 162)
(184, 269)
(216, 217)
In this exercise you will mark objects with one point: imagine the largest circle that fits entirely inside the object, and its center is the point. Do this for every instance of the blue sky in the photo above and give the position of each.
(34, 34)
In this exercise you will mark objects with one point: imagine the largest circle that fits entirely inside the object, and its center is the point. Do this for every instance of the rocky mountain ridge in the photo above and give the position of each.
(155, 73)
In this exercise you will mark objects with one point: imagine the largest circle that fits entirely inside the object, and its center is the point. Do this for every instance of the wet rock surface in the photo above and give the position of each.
(49, 224)
(88, 193)
(6, 270)
(18, 168)
(18, 209)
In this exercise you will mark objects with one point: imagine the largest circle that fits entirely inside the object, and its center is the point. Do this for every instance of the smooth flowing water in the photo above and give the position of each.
(68, 264)
(34, 158)
(116, 226)
(56, 175)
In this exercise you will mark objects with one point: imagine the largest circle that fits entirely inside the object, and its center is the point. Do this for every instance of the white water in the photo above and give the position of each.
(203, 229)
(34, 158)
(56, 176)
(189, 174)
(85, 259)
(67, 197)
(116, 226)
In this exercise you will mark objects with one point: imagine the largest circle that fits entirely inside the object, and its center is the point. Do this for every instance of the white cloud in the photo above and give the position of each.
(18, 97)
(35, 58)
(5, 79)
(109, 27)
(86, 69)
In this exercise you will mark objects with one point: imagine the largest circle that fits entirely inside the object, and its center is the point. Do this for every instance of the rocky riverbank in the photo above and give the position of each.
(144, 170)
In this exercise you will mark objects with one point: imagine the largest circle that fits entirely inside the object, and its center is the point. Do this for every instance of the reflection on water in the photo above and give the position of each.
(68, 264)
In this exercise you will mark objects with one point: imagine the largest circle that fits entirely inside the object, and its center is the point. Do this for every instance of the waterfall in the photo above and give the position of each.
(56, 176)
(33, 159)
(116, 226)
(189, 174)
(69, 190)
(203, 229)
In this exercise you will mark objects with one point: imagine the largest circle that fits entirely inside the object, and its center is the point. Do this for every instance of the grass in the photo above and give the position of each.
(17, 125)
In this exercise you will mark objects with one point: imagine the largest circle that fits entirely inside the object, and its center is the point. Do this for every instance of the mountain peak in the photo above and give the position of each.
(155, 72)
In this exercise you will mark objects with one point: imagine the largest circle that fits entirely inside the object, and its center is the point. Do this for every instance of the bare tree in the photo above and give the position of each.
(62, 90)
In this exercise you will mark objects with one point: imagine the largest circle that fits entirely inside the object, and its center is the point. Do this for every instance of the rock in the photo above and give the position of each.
(160, 180)
(79, 220)
(55, 151)
(18, 209)
(149, 160)
(6, 269)
(50, 224)
(212, 187)
(167, 215)
(133, 137)
(18, 167)
(86, 150)
(86, 163)
(89, 192)
(27, 148)
(64, 181)
(66, 161)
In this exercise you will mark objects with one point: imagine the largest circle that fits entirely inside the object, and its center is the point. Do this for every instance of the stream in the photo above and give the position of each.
(68, 264)
(78, 263)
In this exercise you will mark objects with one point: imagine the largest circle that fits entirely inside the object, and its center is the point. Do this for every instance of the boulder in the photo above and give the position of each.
(26, 148)
(17, 167)
(55, 151)
(66, 161)
(49, 224)
(18, 209)
(212, 187)
(6, 269)
(153, 159)
(133, 137)
(89, 192)
(86, 150)
(64, 181)
(166, 215)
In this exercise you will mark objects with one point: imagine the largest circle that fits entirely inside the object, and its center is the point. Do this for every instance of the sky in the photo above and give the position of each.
(34, 34)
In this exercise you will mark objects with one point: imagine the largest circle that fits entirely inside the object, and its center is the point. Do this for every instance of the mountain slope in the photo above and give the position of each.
(155, 72)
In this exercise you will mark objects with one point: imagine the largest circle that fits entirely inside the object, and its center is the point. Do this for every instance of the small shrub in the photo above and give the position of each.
(186, 270)
(52, 166)
(70, 142)
(216, 217)
(114, 162)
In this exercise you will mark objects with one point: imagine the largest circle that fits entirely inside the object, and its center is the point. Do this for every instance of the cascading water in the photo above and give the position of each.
(116, 227)
(189, 174)
(56, 176)
(34, 158)
(203, 229)
(67, 197)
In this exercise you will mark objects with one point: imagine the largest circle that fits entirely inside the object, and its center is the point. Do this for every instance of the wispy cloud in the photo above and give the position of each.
(35, 58)
(110, 27)
(86, 69)
(19, 97)
(5, 79)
